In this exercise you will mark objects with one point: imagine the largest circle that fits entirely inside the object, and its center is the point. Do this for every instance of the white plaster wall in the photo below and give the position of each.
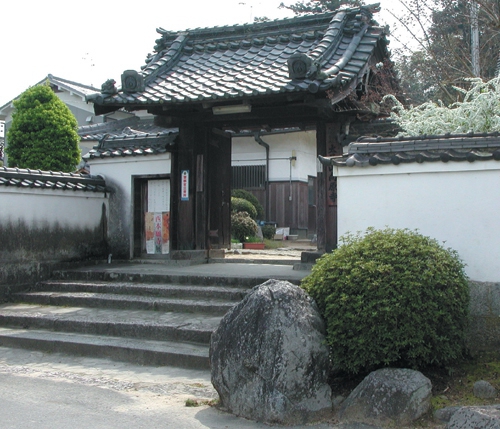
(246, 151)
(119, 174)
(39, 207)
(455, 203)
(120, 170)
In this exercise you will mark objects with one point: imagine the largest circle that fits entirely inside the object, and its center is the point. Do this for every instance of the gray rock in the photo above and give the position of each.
(356, 426)
(484, 390)
(269, 358)
(444, 414)
(388, 397)
(476, 418)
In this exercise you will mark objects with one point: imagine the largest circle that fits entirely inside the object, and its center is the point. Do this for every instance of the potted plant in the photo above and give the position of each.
(254, 243)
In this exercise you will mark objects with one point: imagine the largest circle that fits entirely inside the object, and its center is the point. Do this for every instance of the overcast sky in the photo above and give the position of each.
(91, 41)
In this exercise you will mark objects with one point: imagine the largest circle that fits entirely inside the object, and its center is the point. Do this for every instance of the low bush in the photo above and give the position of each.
(391, 298)
(242, 226)
(241, 205)
(268, 231)
(241, 193)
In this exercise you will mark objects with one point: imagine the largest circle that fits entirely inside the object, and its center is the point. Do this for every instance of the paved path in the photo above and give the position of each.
(52, 391)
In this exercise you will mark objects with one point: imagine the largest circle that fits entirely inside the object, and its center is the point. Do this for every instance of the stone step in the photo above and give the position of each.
(142, 313)
(151, 325)
(142, 352)
(157, 275)
(209, 306)
(144, 289)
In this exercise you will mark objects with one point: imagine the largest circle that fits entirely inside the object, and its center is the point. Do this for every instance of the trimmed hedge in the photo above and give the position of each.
(391, 298)
(241, 205)
(241, 193)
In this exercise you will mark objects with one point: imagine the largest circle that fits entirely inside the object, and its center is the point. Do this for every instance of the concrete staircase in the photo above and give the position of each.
(140, 317)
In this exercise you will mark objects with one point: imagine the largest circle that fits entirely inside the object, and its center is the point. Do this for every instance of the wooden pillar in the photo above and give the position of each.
(188, 215)
(327, 144)
(202, 221)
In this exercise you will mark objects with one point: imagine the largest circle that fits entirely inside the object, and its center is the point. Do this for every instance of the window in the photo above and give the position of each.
(248, 176)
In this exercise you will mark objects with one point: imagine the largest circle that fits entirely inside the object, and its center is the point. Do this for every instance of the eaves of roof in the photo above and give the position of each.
(400, 150)
(70, 86)
(79, 89)
(128, 137)
(37, 179)
(120, 151)
(125, 129)
(306, 54)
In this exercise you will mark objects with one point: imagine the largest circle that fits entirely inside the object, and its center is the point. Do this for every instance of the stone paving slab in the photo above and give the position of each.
(212, 306)
(247, 275)
(141, 351)
(129, 323)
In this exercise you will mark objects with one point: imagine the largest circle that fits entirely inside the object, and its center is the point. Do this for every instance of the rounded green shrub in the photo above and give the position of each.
(391, 298)
(242, 226)
(241, 205)
(268, 231)
(241, 193)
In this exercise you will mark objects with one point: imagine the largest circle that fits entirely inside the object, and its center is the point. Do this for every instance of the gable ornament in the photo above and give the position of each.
(132, 82)
(109, 88)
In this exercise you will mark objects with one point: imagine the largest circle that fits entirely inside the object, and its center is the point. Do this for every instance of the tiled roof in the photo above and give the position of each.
(128, 137)
(123, 129)
(371, 151)
(77, 88)
(306, 54)
(27, 178)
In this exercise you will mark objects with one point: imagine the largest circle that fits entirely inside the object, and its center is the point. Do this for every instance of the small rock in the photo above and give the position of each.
(484, 390)
(444, 414)
(337, 401)
(388, 397)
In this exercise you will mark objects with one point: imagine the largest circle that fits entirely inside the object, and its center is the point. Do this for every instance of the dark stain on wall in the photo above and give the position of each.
(27, 252)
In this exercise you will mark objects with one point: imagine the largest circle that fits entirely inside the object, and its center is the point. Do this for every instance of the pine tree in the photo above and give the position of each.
(43, 134)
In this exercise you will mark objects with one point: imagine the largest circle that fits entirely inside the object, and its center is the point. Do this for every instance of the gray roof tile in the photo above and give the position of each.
(128, 137)
(200, 64)
(458, 148)
(27, 178)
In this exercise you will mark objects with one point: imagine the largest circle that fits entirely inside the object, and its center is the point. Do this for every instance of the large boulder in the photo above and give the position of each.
(388, 397)
(269, 357)
(485, 417)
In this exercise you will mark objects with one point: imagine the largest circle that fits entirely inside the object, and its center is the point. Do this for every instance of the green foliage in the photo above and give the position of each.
(268, 231)
(241, 193)
(318, 6)
(242, 226)
(440, 56)
(43, 134)
(478, 112)
(391, 298)
(252, 239)
(241, 205)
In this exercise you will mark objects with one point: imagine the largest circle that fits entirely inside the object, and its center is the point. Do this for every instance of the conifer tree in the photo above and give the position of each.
(43, 134)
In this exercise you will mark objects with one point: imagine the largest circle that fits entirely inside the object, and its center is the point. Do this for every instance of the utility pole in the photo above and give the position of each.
(474, 30)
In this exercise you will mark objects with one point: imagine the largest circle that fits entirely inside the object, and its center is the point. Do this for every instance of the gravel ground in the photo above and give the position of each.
(290, 250)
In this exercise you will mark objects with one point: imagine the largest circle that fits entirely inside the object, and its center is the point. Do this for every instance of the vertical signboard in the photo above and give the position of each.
(185, 185)
(157, 217)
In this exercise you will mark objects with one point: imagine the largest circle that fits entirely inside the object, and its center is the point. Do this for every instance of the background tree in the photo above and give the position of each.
(43, 134)
(442, 57)
(317, 6)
